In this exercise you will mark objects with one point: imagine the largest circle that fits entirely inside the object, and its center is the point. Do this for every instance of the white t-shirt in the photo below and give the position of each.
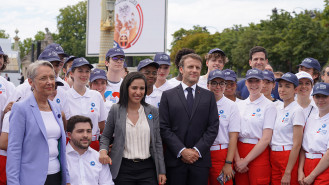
(203, 82)
(86, 169)
(286, 119)
(316, 135)
(229, 119)
(108, 105)
(59, 98)
(91, 105)
(164, 87)
(154, 98)
(53, 134)
(5, 129)
(173, 82)
(112, 92)
(66, 85)
(256, 116)
(21, 92)
(6, 90)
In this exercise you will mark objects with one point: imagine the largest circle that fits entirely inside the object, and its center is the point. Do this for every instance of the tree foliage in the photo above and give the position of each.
(3, 34)
(287, 37)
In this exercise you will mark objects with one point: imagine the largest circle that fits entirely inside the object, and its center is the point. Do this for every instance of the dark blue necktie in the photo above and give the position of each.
(189, 99)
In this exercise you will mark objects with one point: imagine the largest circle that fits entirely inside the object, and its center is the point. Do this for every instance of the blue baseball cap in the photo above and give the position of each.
(321, 88)
(80, 62)
(229, 75)
(216, 74)
(97, 74)
(69, 59)
(254, 73)
(216, 50)
(1, 52)
(289, 77)
(114, 52)
(147, 62)
(311, 63)
(162, 58)
(57, 48)
(268, 75)
(49, 55)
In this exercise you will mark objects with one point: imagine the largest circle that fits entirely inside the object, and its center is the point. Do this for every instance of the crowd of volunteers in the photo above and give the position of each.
(71, 123)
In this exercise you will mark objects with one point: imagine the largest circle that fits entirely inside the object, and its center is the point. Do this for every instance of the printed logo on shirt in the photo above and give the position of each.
(112, 96)
(150, 116)
(221, 114)
(92, 163)
(258, 110)
(2, 90)
(321, 130)
(253, 114)
(92, 107)
(285, 119)
(58, 100)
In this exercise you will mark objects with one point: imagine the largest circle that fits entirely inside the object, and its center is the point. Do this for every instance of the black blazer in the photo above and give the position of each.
(179, 129)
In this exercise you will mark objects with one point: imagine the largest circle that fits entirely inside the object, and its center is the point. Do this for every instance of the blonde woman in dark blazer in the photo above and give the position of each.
(133, 127)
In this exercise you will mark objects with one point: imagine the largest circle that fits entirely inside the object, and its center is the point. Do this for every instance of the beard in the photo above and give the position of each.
(78, 144)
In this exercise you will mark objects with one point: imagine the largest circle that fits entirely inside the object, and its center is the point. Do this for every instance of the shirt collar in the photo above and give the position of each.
(186, 86)
(291, 105)
(260, 99)
(75, 94)
(221, 101)
(70, 150)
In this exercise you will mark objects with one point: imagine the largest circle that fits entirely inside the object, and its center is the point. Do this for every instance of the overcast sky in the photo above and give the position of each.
(31, 16)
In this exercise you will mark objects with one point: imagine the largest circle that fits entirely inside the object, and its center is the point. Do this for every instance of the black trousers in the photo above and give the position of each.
(136, 173)
(54, 179)
(186, 174)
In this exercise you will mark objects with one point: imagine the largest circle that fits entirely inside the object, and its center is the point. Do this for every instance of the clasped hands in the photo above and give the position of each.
(189, 155)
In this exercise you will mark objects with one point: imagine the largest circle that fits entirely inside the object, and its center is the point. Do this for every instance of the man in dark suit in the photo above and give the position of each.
(189, 126)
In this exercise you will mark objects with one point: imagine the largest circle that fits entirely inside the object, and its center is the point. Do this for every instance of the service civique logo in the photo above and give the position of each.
(129, 21)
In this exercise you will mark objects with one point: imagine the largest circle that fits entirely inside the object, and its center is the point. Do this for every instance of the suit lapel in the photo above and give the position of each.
(122, 119)
(37, 115)
(149, 117)
(181, 95)
(196, 100)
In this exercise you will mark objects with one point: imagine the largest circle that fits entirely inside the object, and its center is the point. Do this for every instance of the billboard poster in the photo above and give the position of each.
(140, 26)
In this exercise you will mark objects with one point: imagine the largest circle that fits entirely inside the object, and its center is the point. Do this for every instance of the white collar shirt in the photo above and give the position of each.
(112, 92)
(66, 85)
(60, 96)
(316, 135)
(86, 169)
(186, 92)
(256, 116)
(91, 105)
(286, 119)
(229, 119)
(154, 98)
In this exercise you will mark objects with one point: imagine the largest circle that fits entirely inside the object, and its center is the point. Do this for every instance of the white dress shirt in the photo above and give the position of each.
(86, 169)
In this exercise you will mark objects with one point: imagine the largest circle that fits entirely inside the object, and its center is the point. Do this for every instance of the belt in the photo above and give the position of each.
(135, 160)
(249, 141)
(281, 148)
(95, 137)
(218, 147)
(313, 155)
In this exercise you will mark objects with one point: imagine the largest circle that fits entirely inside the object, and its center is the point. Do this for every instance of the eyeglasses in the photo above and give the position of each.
(229, 83)
(148, 73)
(116, 59)
(214, 83)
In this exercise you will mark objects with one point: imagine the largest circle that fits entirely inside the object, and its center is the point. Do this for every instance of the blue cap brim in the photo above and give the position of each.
(209, 79)
(97, 77)
(306, 65)
(52, 60)
(252, 76)
(268, 78)
(117, 54)
(79, 65)
(230, 78)
(320, 92)
(287, 80)
(163, 63)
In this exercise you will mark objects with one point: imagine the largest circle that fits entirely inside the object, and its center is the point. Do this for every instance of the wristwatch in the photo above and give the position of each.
(228, 162)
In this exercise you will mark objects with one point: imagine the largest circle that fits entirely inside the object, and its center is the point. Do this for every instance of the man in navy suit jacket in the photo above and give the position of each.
(189, 126)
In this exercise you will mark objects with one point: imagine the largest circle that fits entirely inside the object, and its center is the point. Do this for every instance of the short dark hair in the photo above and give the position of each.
(181, 53)
(191, 55)
(324, 69)
(77, 119)
(255, 50)
(124, 94)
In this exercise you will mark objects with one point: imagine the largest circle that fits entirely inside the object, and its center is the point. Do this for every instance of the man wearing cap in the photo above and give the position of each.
(257, 59)
(224, 147)
(215, 59)
(311, 66)
(230, 90)
(162, 83)
(67, 65)
(6, 89)
(188, 125)
(52, 57)
(114, 61)
(149, 69)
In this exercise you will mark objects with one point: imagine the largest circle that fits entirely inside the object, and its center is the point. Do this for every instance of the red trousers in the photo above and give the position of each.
(3, 177)
(323, 178)
(259, 169)
(218, 158)
(279, 161)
